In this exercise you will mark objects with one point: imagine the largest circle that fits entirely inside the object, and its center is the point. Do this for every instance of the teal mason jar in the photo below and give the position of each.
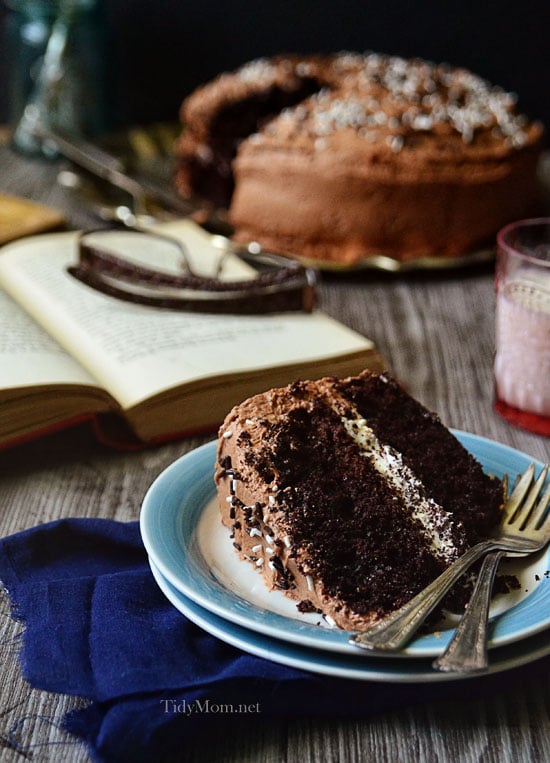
(56, 53)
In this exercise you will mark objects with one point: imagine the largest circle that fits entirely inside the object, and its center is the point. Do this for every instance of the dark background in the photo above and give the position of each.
(157, 51)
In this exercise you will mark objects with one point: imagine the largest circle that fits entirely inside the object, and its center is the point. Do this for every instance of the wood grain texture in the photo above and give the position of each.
(436, 332)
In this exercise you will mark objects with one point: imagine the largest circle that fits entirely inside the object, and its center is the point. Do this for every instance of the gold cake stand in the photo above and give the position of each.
(150, 152)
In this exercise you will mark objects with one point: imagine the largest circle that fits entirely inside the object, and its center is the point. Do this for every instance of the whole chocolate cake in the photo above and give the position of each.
(341, 157)
(348, 495)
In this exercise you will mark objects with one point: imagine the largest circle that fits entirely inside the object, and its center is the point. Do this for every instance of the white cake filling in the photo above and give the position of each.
(436, 523)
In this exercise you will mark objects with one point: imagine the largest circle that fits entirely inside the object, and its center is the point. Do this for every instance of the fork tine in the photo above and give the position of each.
(505, 486)
(524, 511)
(519, 492)
(538, 517)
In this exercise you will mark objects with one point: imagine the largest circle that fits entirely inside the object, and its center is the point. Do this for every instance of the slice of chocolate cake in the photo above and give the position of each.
(349, 495)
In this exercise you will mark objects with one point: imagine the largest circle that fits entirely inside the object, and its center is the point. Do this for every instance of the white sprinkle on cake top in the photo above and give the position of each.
(399, 95)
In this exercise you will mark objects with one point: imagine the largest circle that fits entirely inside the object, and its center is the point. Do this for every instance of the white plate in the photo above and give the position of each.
(190, 547)
(356, 666)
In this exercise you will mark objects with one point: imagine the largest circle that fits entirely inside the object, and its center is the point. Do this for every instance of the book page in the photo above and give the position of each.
(136, 351)
(29, 356)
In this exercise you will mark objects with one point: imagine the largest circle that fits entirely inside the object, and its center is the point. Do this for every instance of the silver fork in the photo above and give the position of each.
(467, 650)
(518, 533)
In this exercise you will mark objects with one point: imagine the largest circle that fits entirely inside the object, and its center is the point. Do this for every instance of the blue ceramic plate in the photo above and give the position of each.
(187, 543)
(356, 666)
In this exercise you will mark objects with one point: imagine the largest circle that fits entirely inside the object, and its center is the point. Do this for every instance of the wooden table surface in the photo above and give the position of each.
(436, 333)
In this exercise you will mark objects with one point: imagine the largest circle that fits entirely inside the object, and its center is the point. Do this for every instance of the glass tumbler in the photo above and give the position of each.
(522, 331)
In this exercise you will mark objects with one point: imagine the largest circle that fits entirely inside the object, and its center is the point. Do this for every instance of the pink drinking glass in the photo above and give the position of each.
(522, 336)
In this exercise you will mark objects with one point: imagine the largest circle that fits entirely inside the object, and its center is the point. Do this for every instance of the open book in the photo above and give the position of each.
(68, 353)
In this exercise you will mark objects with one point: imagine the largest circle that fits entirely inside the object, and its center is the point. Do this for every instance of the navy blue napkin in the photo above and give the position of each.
(97, 626)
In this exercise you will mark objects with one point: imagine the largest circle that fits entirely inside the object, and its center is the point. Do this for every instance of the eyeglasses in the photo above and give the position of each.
(118, 263)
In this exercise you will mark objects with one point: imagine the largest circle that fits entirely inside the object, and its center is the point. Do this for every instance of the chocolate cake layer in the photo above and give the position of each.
(334, 491)
(219, 116)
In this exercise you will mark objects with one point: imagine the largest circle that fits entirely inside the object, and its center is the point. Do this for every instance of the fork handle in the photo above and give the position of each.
(467, 650)
(393, 632)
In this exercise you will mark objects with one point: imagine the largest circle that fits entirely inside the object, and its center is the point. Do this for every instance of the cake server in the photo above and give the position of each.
(525, 528)
(148, 196)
